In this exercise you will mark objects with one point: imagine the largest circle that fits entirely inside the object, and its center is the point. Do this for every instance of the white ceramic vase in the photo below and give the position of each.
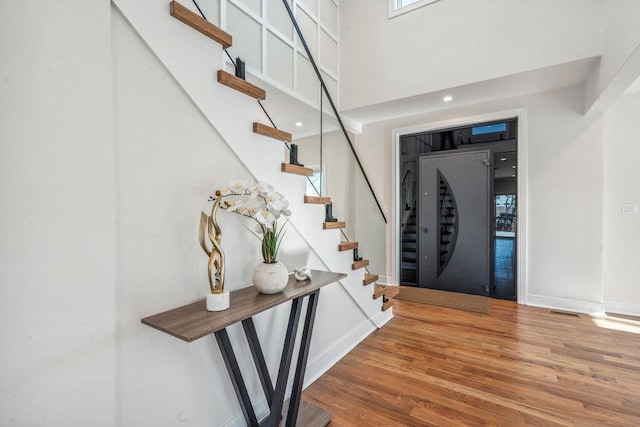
(270, 278)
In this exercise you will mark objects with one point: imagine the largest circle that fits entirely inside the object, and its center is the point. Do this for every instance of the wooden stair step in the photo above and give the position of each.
(359, 264)
(241, 85)
(333, 225)
(270, 132)
(297, 170)
(200, 24)
(386, 305)
(370, 278)
(379, 291)
(317, 200)
(345, 246)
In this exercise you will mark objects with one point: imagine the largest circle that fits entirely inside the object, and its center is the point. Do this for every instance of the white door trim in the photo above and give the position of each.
(394, 227)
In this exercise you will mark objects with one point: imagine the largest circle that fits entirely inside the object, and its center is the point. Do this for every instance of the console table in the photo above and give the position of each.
(193, 321)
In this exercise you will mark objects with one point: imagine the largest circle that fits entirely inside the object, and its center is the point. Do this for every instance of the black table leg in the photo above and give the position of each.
(303, 354)
(236, 377)
(275, 397)
(285, 364)
(258, 358)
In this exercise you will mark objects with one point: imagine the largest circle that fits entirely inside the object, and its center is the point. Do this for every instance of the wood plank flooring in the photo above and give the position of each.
(518, 365)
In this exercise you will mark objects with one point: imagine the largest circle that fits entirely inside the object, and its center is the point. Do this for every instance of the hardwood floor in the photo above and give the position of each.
(516, 366)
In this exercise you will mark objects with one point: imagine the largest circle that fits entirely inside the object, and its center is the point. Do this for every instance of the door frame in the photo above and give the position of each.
(394, 234)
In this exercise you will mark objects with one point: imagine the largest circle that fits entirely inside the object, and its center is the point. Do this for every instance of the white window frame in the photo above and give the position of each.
(395, 10)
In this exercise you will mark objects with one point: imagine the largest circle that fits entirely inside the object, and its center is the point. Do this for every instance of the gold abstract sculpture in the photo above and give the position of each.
(216, 255)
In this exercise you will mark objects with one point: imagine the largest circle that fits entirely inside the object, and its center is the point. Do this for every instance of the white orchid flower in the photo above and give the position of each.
(238, 186)
(252, 211)
(252, 202)
(234, 205)
(261, 188)
(265, 217)
(274, 201)
(285, 208)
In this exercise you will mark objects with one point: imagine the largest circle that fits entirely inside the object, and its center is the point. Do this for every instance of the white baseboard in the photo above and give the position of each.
(564, 304)
(617, 307)
(383, 317)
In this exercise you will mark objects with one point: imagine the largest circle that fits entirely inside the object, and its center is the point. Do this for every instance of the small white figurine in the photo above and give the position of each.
(302, 273)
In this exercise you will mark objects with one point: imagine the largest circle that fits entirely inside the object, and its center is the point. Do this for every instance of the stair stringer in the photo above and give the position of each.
(193, 60)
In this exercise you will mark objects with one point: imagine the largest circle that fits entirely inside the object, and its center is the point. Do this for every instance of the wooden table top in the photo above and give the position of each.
(193, 321)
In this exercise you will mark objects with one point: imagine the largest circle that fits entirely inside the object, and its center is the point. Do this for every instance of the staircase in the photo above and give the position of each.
(409, 248)
(239, 84)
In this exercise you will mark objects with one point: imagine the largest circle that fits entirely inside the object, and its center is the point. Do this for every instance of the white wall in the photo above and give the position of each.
(58, 224)
(106, 163)
(621, 232)
(564, 179)
(439, 47)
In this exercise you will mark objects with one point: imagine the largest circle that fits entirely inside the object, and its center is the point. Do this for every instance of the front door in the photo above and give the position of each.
(453, 224)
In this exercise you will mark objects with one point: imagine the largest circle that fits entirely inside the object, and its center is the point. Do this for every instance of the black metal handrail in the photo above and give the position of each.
(406, 175)
(333, 107)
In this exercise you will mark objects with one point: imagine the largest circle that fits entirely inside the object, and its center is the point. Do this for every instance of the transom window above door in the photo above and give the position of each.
(398, 7)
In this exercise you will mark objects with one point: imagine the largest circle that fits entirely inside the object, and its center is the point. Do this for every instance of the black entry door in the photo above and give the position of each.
(453, 224)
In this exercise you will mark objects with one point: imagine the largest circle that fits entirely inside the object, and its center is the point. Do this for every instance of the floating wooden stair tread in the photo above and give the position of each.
(271, 132)
(241, 85)
(369, 278)
(379, 291)
(334, 224)
(198, 23)
(317, 200)
(386, 305)
(345, 246)
(359, 264)
(295, 169)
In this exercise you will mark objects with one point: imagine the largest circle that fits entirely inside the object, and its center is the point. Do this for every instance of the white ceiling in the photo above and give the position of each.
(285, 110)
(540, 80)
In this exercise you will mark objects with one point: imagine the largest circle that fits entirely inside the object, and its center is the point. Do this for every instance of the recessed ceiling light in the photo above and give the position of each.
(514, 166)
(448, 98)
(298, 124)
(503, 159)
(513, 176)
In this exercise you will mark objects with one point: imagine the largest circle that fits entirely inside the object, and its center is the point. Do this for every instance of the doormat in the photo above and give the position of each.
(475, 303)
